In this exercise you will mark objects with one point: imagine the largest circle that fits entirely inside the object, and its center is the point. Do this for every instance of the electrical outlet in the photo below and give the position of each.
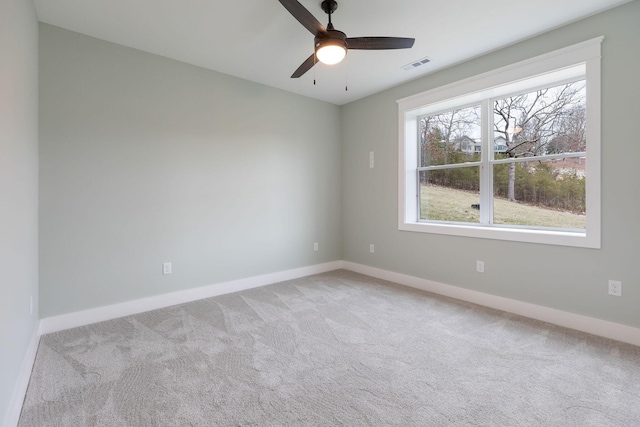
(615, 288)
(166, 268)
(315, 246)
(372, 249)
(371, 160)
(480, 266)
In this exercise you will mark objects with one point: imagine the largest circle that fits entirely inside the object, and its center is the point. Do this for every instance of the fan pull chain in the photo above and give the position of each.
(315, 62)
(346, 73)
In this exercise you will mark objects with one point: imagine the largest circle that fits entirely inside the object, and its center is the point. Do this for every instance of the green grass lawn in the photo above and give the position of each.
(448, 204)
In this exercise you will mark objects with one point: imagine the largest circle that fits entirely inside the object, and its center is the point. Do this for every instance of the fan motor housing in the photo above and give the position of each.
(334, 37)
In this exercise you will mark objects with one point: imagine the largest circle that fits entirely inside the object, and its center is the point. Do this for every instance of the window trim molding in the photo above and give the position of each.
(409, 108)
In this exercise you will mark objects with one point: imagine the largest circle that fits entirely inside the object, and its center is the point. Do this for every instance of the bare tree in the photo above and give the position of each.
(440, 133)
(572, 135)
(530, 122)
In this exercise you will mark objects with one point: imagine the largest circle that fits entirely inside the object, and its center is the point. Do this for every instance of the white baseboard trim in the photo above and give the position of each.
(579, 322)
(15, 407)
(99, 314)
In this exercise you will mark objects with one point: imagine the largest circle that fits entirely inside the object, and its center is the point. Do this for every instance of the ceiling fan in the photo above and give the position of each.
(331, 45)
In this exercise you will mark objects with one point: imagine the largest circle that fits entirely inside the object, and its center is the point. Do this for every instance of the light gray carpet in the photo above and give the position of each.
(332, 349)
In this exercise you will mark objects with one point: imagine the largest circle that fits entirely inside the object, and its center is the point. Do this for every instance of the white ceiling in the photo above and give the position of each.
(259, 40)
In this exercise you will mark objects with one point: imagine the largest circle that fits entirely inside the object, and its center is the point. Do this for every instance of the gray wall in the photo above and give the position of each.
(565, 278)
(18, 189)
(146, 160)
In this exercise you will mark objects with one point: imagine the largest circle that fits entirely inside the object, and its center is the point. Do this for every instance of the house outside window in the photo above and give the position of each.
(504, 155)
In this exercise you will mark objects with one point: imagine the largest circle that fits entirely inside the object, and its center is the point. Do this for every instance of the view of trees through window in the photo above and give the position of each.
(537, 160)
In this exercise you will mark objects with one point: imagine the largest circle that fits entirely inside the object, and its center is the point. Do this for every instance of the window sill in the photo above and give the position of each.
(526, 235)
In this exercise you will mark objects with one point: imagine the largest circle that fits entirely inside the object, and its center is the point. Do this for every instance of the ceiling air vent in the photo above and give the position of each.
(417, 63)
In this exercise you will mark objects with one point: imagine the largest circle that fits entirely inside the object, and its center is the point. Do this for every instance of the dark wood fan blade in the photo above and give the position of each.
(306, 66)
(379, 43)
(304, 16)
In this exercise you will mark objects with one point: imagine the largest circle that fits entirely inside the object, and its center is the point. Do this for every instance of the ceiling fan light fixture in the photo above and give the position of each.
(512, 127)
(331, 54)
(331, 45)
(515, 130)
(332, 48)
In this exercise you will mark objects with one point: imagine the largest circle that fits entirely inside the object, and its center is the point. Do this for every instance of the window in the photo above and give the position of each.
(504, 155)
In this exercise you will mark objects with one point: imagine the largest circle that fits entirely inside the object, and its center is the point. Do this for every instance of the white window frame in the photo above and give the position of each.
(582, 59)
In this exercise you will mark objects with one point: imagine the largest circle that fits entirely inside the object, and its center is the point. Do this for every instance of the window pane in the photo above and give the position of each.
(548, 193)
(533, 135)
(546, 121)
(451, 137)
(450, 195)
